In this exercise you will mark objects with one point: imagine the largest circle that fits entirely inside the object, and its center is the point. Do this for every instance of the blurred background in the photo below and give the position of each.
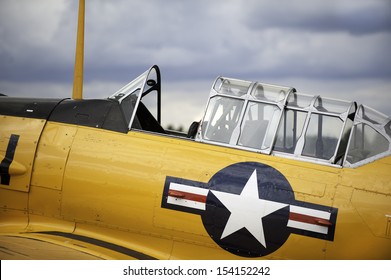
(334, 48)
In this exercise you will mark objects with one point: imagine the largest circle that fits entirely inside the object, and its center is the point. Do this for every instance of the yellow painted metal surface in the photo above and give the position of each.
(104, 189)
(44, 201)
(29, 131)
(13, 220)
(364, 203)
(52, 154)
(38, 247)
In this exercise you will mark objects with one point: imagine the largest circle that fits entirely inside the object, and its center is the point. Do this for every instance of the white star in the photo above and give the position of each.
(247, 210)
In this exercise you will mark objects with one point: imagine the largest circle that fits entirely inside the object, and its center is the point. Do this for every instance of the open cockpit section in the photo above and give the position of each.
(267, 119)
(277, 120)
(140, 101)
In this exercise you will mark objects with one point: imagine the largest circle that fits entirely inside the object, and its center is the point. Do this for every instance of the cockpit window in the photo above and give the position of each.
(366, 143)
(231, 87)
(223, 116)
(300, 101)
(289, 131)
(321, 138)
(243, 114)
(269, 93)
(315, 127)
(370, 137)
(140, 101)
(128, 106)
(257, 126)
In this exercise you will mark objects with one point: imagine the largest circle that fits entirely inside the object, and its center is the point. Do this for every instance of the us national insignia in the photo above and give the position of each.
(249, 209)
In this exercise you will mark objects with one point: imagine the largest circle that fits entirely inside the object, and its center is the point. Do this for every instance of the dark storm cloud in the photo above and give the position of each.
(322, 39)
(196, 39)
(335, 41)
(202, 39)
(355, 17)
(36, 40)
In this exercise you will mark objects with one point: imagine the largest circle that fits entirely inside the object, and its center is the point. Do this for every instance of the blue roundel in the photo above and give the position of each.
(247, 209)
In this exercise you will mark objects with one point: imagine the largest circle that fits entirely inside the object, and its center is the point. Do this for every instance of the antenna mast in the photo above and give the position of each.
(79, 55)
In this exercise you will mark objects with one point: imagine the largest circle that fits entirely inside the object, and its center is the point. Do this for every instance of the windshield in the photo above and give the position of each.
(129, 97)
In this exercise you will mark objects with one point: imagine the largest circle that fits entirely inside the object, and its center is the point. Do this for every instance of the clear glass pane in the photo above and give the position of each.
(343, 145)
(130, 88)
(128, 104)
(269, 93)
(221, 118)
(387, 127)
(322, 136)
(150, 101)
(299, 100)
(289, 131)
(332, 105)
(365, 143)
(260, 122)
(232, 87)
(372, 115)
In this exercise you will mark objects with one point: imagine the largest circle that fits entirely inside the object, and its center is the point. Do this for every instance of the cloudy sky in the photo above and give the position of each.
(335, 48)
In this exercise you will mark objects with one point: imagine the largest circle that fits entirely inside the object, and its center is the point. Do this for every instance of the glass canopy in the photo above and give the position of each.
(278, 120)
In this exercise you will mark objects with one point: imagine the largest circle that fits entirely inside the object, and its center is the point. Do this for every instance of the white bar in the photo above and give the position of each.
(186, 203)
(206, 270)
(310, 212)
(188, 189)
(309, 227)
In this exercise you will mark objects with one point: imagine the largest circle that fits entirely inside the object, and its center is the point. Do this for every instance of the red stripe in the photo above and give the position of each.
(309, 219)
(188, 196)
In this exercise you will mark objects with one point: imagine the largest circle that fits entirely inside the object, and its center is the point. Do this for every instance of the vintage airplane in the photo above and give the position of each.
(267, 173)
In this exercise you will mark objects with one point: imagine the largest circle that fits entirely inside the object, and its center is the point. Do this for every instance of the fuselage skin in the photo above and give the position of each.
(97, 186)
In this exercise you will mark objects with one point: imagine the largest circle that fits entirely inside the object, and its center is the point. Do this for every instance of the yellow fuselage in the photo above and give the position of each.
(104, 190)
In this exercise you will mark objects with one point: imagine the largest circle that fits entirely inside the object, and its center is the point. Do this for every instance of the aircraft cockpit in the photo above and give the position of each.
(146, 114)
(277, 120)
(268, 119)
